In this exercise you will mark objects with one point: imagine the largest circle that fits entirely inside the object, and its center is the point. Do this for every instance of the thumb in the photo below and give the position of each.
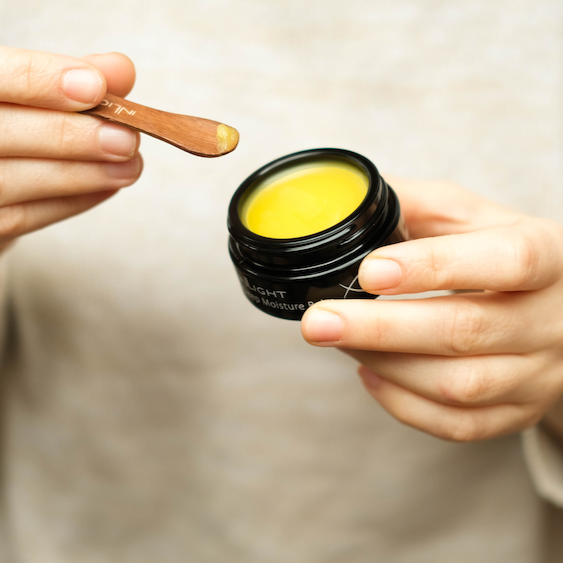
(34, 78)
(118, 70)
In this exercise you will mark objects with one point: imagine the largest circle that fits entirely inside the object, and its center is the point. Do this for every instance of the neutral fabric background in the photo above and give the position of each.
(151, 413)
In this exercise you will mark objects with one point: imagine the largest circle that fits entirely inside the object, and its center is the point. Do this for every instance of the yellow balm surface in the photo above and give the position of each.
(304, 200)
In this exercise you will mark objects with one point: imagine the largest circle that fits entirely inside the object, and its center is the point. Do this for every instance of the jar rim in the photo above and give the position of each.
(288, 270)
(374, 195)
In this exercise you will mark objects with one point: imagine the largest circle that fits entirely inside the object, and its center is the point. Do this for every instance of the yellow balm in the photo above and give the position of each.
(305, 200)
(227, 138)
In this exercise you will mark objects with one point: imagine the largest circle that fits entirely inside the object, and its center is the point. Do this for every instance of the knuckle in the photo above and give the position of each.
(374, 332)
(544, 258)
(72, 137)
(68, 137)
(526, 260)
(435, 271)
(467, 386)
(31, 75)
(463, 328)
(33, 80)
(377, 337)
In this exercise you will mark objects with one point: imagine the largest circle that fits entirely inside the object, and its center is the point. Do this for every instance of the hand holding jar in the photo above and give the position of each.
(467, 366)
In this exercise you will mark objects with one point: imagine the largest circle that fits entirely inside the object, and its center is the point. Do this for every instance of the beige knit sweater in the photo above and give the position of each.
(150, 413)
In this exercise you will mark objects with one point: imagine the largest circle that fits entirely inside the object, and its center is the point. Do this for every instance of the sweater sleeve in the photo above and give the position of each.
(544, 457)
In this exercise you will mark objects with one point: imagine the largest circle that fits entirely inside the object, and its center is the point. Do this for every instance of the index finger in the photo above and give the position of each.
(521, 257)
(47, 80)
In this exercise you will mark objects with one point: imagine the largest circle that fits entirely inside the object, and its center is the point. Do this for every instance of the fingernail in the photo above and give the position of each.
(123, 170)
(370, 379)
(117, 141)
(82, 85)
(380, 273)
(323, 326)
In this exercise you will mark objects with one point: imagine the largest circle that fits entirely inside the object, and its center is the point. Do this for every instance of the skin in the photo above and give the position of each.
(55, 163)
(466, 366)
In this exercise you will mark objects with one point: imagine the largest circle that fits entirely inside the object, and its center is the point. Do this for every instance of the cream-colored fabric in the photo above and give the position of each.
(545, 460)
(152, 414)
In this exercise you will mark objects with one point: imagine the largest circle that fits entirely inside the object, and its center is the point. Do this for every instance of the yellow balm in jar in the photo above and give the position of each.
(309, 199)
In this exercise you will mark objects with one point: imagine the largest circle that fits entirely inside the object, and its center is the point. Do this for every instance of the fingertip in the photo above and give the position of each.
(48, 80)
(118, 69)
(321, 327)
(123, 174)
(84, 85)
(118, 143)
(377, 275)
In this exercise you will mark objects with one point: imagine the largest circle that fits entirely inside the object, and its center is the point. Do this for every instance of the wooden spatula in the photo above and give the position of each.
(195, 135)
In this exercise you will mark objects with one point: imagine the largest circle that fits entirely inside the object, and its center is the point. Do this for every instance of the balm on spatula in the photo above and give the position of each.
(202, 137)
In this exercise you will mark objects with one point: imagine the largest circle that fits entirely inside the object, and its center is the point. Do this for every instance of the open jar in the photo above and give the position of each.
(288, 250)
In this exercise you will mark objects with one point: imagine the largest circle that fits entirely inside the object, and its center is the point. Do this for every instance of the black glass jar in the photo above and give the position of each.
(283, 277)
